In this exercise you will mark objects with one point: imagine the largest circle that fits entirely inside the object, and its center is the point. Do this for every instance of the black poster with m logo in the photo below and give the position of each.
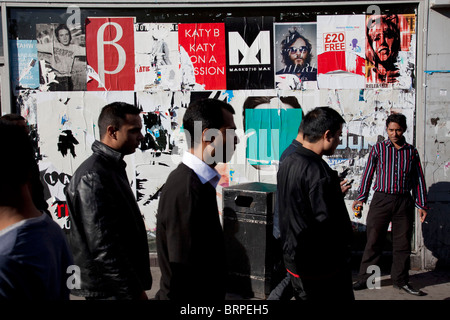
(250, 61)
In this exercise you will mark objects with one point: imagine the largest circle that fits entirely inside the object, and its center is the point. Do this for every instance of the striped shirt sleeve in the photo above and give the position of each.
(419, 189)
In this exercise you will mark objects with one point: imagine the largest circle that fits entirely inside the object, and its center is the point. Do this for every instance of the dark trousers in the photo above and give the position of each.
(281, 288)
(385, 208)
(324, 284)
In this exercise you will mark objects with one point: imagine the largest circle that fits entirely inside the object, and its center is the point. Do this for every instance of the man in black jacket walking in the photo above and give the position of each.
(315, 227)
(189, 237)
(107, 235)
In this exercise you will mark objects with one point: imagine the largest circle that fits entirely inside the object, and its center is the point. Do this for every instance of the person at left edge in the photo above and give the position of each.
(107, 234)
(37, 189)
(189, 237)
(34, 255)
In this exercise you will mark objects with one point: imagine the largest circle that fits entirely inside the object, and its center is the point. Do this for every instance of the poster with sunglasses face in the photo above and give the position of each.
(295, 57)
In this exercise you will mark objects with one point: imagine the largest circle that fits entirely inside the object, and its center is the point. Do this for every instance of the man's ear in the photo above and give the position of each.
(111, 132)
(327, 135)
(207, 136)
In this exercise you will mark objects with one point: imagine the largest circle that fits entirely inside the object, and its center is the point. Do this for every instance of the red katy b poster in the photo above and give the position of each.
(110, 54)
(204, 43)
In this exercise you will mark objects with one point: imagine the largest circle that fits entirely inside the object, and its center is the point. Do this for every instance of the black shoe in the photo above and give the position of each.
(360, 285)
(407, 288)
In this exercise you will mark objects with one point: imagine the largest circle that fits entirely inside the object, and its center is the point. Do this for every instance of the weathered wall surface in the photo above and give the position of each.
(436, 229)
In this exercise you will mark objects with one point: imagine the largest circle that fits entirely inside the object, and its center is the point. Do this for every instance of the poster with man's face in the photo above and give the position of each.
(295, 55)
(390, 50)
(62, 57)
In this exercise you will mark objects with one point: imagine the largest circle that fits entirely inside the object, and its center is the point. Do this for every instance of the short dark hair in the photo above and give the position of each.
(397, 118)
(208, 112)
(115, 114)
(16, 160)
(12, 117)
(60, 27)
(318, 121)
(254, 101)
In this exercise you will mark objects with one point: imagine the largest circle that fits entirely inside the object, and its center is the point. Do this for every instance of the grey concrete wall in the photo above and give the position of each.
(436, 229)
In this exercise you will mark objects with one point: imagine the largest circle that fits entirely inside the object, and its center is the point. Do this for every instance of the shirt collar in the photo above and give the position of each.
(204, 172)
(390, 144)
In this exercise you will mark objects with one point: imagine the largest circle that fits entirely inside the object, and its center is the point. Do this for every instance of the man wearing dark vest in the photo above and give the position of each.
(189, 237)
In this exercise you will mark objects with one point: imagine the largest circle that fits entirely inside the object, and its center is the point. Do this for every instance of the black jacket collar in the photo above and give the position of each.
(107, 152)
(307, 152)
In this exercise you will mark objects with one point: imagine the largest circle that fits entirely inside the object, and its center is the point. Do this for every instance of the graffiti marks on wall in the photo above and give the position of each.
(161, 67)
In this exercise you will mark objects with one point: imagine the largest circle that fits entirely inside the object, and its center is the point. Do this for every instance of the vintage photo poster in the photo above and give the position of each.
(157, 59)
(249, 42)
(204, 44)
(390, 50)
(24, 64)
(340, 49)
(110, 54)
(295, 55)
(62, 57)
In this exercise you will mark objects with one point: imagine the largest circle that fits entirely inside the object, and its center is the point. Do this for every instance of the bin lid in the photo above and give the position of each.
(254, 187)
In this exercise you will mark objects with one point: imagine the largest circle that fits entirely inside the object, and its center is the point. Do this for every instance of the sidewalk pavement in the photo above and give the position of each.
(436, 284)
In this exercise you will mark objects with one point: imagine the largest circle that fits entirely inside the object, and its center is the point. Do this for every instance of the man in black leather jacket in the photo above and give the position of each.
(107, 235)
(315, 227)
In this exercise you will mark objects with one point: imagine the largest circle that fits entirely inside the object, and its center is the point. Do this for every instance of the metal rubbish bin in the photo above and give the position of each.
(248, 222)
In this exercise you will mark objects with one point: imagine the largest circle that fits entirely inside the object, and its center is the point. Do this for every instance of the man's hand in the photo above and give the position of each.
(423, 215)
(344, 187)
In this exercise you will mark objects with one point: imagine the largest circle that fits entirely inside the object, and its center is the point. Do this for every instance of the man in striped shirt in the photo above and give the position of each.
(398, 172)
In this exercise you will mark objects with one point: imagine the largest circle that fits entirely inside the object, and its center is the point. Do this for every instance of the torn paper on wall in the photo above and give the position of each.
(157, 59)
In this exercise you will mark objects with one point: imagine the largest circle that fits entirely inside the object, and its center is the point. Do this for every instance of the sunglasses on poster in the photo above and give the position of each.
(302, 49)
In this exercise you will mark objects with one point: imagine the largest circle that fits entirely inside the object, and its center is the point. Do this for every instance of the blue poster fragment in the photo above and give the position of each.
(24, 64)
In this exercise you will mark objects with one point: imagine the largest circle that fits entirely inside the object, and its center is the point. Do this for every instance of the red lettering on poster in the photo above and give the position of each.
(63, 210)
(205, 45)
(110, 54)
(334, 41)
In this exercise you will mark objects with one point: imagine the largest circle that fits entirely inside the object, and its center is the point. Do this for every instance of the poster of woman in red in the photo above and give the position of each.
(110, 54)
(204, 43)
